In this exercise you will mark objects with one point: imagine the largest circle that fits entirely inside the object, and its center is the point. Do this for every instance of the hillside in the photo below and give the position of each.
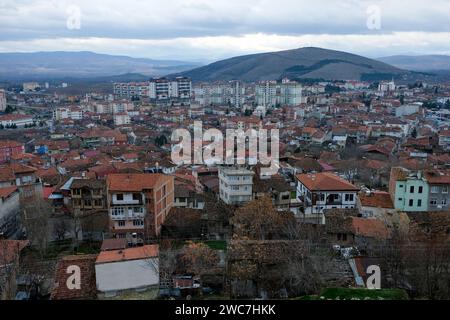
(62, 64)
(313, 63)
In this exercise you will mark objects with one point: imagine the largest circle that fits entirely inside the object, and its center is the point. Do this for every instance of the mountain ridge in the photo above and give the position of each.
(307, 62)
(82, 64)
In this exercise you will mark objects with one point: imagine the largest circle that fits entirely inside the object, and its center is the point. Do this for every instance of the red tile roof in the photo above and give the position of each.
(137, 253)
(4, 192)
(376, 199)
(371, 228)
(132, 181)
(325, 181)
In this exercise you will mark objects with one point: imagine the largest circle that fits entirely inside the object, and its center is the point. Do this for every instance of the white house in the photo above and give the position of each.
(127, 270)
(235, 185)
(325, 190)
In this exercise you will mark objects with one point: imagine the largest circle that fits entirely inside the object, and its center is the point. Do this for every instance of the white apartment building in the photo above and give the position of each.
(2, 100)
(386, 86)
(74, 113)
(162, 89)
(232, 92)
(271, 93)
(121, 119)
(235, 185)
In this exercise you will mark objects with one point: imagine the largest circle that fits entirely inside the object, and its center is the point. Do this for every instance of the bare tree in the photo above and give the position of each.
(60, 229)
(36, 219)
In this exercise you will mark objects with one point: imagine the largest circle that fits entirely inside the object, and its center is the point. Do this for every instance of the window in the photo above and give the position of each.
(136, 197)
(119, 197)
(138, 223)
(344, 237)
(349, 197)
(433, 202)
(434, 189)
(400, 199)
(121, 223)
(118, 211)
(444, 202)
(411, 189)
(87, 203)
(77, 192)
(411, 202)
(420, 189)
(137, 209)
(445, 189)
(236, 188)
(400, 186)
(419, 203)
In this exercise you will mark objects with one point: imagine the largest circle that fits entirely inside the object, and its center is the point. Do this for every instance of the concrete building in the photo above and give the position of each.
(30, 86)
(228, 93)
(2, 100)
(74, 113)
(138, 204)
(161, 90)
(18, 120)
(235, 185)
(322, 191)
(121, 119)
(271, 93)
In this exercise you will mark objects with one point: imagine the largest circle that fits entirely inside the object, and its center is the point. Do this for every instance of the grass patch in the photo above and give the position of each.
(359, 294)
(216, 244)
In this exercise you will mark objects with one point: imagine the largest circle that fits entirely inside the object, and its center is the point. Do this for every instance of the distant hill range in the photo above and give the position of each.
(303, 63)
(428, 63)
(62, 64)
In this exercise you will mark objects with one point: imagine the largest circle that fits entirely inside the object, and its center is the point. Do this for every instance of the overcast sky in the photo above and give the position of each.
(207, 30)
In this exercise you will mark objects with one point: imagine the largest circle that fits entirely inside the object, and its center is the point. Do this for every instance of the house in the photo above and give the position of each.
(138, 204)
(276, 187)
(420, 191)
(9, 212)
(67, 289)
(89, 207)
(375, 204)
(345, 229)
(127, 271)
(325, 190)
(235, 185)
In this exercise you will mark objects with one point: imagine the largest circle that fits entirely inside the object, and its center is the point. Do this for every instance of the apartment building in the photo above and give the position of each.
(228, 93)
(138, 204)
(235, 185)
(73, 113)
(420, 191)
(272, 93)
(121, 119)
(325, 190)
(2, 100)
(161, 90)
